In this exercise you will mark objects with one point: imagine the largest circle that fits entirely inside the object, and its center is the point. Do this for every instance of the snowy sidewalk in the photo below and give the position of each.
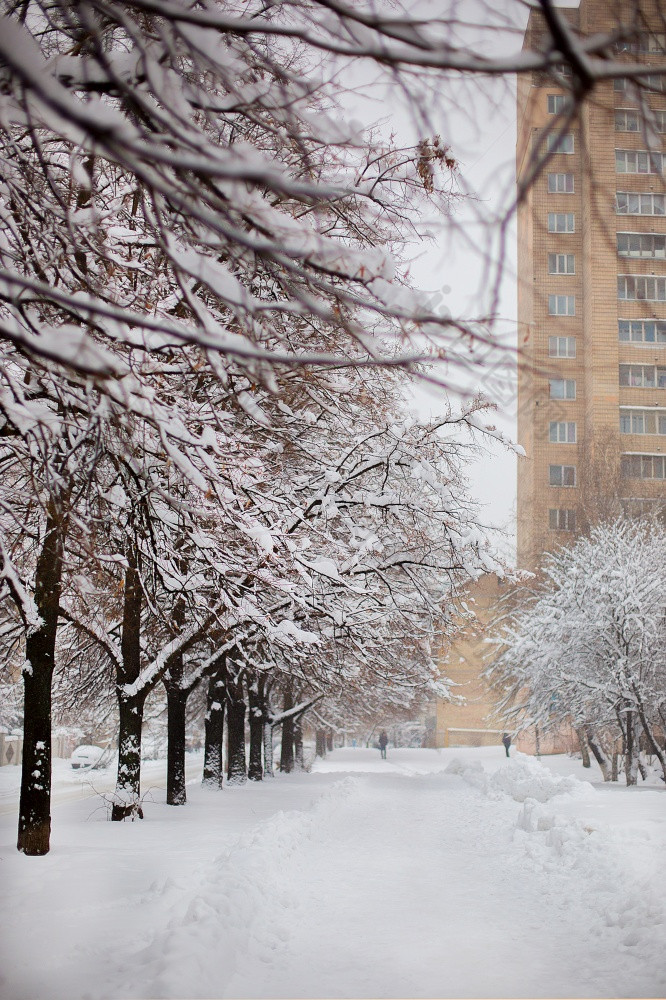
(414, 877)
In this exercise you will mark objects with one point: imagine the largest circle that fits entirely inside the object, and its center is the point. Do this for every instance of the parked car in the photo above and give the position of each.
(87, 756)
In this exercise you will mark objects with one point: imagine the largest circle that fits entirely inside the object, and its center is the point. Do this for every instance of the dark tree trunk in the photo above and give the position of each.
(631, 754)
(329, 741)
(600, 755)
(236, 764)
(584, 749)
(34, 829)
(287, 751)
(127, 801)
(213, 769)
(255, 770)
(320, 743)
(176, 704)
(299, 760)
(653, 746)
(177, 696)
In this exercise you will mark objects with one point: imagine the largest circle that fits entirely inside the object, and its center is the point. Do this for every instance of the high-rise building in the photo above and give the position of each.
(591, 312)
(592, 281)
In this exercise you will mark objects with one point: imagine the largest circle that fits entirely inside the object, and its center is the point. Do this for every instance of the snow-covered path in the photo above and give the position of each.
(415, 877)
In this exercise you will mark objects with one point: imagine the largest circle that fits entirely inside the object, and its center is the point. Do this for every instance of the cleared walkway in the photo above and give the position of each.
(406, 878)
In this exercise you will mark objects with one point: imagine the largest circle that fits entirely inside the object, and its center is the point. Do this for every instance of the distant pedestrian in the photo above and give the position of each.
(383, 740)
(506, 740)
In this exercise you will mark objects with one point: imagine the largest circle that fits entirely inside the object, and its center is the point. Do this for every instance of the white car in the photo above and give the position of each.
(87, 756)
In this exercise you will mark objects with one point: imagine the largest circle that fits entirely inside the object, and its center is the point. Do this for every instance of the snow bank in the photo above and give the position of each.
(520, 778)
(627, 905)
(624, 901)
(241, 912)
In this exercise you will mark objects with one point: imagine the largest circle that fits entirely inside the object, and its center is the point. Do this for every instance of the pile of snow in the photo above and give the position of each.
(520, 778)
(237, 913)
(620, 899)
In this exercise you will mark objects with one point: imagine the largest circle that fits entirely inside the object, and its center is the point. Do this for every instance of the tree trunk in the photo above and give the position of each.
(256, 718)
(176, 794)
(236, 764)
(329, 741)
(320, 743)
(213, 769)
(34, 828)
(299, 760)
(631, 756)
(651, 740)
(584, 749)
(600, 754)
(287, 751)
(268, 750)
(615, 768)
(127, 798)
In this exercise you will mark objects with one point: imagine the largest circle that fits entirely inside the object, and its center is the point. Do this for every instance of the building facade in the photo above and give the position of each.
(591, 314)
(592, 284)
(469, 718)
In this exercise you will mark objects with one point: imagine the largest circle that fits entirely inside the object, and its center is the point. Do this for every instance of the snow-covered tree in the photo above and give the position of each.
(203, 265)
(175, 174)
(588, 646)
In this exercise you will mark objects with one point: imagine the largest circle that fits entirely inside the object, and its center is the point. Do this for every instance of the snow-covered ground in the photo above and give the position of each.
(451, 873)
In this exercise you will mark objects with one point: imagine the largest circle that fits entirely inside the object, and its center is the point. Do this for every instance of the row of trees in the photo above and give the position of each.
(206, 475)
(588, 648)
(207, 327)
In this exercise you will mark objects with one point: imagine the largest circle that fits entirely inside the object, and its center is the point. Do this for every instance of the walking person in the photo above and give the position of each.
(383, 740)
(506, 740)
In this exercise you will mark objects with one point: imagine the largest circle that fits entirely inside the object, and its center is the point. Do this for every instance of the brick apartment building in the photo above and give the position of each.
(591, 315)
(592, 286)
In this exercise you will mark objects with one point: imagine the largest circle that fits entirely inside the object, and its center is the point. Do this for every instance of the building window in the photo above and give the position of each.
(642, 466)
(640, 288)
(627, 121)
(562, 432)
(658, 119)
(561, 263)
(562, 520)
(643, 41)
(628, 203)
(562, 388)
(557, 103)
(561, 222)
(561, 305)
(641, 245)
(633, 421)
(556, 143)
(562, 475)
(654, 81)
(638, 161)
(560, 183)
(642, 331)
(643, 376)
(561, 347)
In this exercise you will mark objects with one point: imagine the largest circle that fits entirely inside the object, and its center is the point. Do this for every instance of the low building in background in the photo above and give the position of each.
(472, 719)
